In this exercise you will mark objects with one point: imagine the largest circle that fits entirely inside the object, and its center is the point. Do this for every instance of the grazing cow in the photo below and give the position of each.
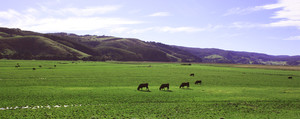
(143, 85)
(54, 65)
(192, 74)
(198, 82)
(40, 66)
(187, 84)
(33, 68)
(187, 64)
(163, 86)
(290, 77)
(17, 66)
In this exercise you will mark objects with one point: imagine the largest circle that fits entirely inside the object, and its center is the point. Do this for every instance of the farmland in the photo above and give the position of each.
(109, 90)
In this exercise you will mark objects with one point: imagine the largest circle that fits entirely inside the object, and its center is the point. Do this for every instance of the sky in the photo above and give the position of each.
(264, 26)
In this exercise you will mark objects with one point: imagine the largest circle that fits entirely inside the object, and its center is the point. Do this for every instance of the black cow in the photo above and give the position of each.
(33, 68)
(198, 82)
(192, 74)
(143, 85)
(187, 84)
(290, 77)
(163, 86)
(17, 66)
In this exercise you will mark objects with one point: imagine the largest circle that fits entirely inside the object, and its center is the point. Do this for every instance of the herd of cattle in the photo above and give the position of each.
(163, 86)
(18, 65)
(182, 85)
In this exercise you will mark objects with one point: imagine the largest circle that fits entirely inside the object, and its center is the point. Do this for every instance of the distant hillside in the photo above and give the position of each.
(212, 55)
(19, 44)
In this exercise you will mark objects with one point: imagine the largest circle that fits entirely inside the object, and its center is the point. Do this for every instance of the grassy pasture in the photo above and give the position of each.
(109, 90)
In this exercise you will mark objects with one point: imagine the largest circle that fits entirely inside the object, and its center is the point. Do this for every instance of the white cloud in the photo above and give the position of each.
(166, 29)
(78, 24)
(90, 10)
(119, 30)
(159, 14)
(289, 13)
(293, 38)
(87, 11)
(32, 11)
(143, 30)
(242, 11)
(9, 14)
(180, 29)
(284, 23)
(65, 19)
(240, 25)
(188, 29)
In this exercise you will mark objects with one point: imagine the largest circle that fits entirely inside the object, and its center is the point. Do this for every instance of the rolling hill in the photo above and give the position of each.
(213, 55)
(20, 44)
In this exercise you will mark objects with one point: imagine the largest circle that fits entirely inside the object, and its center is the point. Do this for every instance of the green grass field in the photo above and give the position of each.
(109, 90)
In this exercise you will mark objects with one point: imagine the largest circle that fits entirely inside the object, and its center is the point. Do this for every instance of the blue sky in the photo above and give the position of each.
(264, 26)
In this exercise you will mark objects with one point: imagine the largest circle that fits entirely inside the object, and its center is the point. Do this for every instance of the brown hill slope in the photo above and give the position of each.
(19, 44)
